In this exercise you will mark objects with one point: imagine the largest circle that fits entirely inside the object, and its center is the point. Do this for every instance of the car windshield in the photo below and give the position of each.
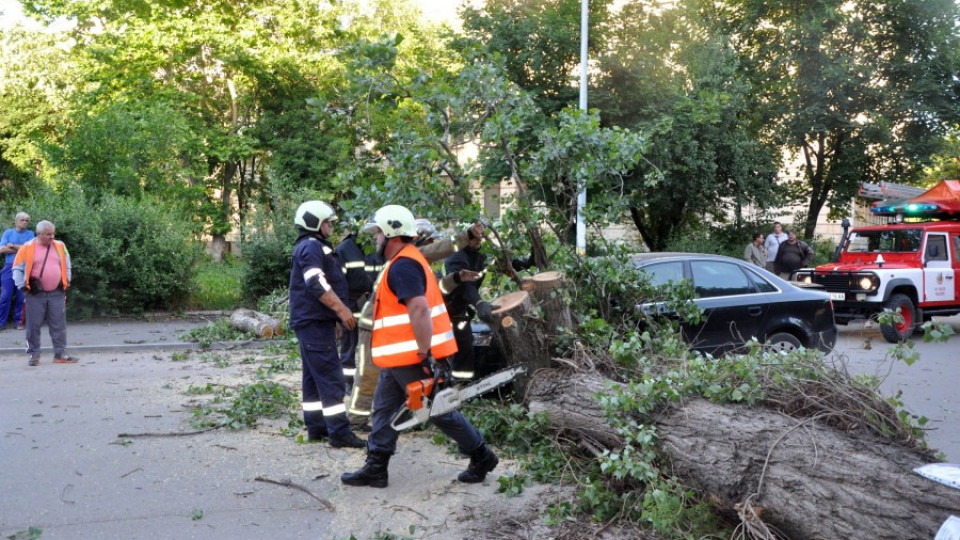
(897, 240)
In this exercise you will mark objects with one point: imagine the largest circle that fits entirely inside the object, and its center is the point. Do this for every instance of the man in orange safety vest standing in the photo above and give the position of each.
(411, 328)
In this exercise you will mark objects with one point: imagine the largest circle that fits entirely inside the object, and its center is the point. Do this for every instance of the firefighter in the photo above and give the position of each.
(359, 285)
(463, 302)
(318, 291)
(434, 248)
(410, 329)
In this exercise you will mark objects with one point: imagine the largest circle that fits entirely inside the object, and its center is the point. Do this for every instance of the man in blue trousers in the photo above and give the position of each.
(318, 292)
(10, 243)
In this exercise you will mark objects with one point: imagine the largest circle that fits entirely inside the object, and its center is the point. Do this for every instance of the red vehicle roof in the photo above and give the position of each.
(941, 201)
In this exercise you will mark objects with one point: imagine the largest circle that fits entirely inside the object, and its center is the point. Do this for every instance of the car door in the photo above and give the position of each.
(956, 264)
(734, 311)
(938, 273)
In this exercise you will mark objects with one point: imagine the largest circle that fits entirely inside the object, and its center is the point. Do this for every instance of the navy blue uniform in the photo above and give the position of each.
(359, 285)
(461, 304)
(316, 269)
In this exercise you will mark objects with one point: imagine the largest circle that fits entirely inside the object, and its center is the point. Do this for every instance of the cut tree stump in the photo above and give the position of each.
(248, 320)
(521, 335)
(817, 482)
(545, 288)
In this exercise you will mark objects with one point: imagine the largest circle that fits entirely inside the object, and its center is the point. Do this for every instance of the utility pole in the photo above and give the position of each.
(582, 193)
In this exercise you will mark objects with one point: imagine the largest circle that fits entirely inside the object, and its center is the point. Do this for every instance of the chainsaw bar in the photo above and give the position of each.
(452, 398)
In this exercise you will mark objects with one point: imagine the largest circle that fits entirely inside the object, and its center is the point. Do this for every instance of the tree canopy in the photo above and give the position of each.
(222, 106)
(861, 90)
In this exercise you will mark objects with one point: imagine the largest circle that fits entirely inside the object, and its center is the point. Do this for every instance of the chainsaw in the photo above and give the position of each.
(424, 400)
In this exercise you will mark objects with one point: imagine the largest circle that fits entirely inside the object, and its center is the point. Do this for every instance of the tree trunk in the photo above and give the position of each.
(248, 320)
(218, 244)
(570, 403)
(521, 335)
(545, 288)
(808, 480)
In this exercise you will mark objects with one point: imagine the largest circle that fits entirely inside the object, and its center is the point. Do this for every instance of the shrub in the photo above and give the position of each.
(128, 256)
(268, 265)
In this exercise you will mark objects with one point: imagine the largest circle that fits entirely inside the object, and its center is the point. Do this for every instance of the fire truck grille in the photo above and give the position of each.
(833, 282)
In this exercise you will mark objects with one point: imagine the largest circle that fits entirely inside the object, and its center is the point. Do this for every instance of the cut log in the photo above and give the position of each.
(817, 482)
(520, 335)
(248, 320)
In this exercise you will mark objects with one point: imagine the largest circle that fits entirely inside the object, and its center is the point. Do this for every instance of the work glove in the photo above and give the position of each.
(427, 363)
(485, 311)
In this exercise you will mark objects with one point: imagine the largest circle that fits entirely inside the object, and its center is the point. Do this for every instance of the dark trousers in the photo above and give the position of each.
(464, 362)
(50, 308)
(390, 396)
(348, 342)
(348, 349)
(323, 382)
(9, 293)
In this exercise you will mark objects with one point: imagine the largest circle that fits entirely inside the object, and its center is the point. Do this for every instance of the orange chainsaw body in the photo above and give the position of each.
(416, 391)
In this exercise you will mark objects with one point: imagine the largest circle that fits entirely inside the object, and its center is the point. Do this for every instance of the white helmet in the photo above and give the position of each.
(425, 229)
(393, 220)
(312, 213)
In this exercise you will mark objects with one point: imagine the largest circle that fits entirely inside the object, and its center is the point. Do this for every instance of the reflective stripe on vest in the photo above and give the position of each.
(393, 341)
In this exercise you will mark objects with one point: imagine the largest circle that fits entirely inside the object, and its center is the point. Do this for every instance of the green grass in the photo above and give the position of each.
(217, 286)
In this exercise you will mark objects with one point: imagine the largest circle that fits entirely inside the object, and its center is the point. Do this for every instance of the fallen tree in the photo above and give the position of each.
(817, 456)
(799, 476)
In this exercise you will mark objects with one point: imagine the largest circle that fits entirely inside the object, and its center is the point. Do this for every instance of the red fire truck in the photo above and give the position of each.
(910, 265)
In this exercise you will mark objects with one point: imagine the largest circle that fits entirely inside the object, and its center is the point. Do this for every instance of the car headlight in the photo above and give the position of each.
(806, 278)
(867, 282)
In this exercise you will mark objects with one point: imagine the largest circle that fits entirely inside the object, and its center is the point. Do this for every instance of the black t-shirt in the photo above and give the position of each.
(406, 279)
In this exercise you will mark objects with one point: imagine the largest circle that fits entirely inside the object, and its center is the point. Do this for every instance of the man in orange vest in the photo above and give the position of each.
(42, 269)
(410, 328)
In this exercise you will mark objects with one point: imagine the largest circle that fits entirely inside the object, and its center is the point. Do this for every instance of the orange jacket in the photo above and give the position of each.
(23, 263)
(393, 343)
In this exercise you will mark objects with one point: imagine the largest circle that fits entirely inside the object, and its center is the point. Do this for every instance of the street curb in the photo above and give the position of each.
(132, 347)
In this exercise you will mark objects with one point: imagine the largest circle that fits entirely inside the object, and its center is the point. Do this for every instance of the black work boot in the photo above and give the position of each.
(347, 439)
(316, 433)
(482, 461)
(340, 434)
(373, 473)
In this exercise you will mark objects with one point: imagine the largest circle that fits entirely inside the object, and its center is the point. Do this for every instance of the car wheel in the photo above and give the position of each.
(901, 331)
(783, 341)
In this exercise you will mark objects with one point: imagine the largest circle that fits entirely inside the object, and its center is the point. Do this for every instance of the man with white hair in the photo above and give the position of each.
(42, 269)
(10, 243)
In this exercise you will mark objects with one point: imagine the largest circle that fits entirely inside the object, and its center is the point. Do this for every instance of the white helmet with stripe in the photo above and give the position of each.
(312, 213)
(393, 220)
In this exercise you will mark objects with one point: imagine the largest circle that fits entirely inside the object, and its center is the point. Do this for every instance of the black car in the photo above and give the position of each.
(741, 301)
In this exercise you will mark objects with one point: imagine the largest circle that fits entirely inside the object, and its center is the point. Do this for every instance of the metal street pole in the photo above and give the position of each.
(582, 194)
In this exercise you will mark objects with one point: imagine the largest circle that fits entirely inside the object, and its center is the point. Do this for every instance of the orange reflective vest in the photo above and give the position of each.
(25, 258)
(393, 343)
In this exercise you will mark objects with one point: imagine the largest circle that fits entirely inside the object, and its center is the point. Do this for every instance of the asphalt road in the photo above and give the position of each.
(104, 450)
(928, 388)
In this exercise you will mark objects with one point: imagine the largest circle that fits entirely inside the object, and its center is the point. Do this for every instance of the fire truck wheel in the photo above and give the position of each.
(901, 331)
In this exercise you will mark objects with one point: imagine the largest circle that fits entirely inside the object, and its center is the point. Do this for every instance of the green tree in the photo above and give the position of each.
(215, 69)
(945, 164)
(667, 75)
(860, 90)
(658, 71)
(36, 80)
(537, 42)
